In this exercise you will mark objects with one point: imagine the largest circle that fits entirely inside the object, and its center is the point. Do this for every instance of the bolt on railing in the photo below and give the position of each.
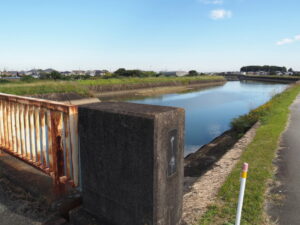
(42, 133)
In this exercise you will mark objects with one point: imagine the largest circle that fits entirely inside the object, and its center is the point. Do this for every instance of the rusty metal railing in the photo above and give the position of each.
(42, 133)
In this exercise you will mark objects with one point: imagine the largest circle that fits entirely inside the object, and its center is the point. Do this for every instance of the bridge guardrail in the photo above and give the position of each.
(42, 133)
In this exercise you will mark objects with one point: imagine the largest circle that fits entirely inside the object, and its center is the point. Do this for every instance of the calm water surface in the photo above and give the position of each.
(209, 112)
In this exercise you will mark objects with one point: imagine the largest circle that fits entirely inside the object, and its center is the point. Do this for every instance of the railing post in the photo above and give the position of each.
(44, 138)
(27, 133)
(67, 147)
(73, 116)
(32, 134)
(38, 140)
(18, 130)
(57, 166)
(2, 140)
(22, 131)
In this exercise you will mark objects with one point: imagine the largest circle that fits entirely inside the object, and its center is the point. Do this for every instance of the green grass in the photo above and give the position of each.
(83, 86)
(44, 87)
(259, 154)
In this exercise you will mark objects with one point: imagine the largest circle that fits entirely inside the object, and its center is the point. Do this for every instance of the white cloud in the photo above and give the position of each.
(288, 40)
(285, 41)
(219, 14)
(212, 2)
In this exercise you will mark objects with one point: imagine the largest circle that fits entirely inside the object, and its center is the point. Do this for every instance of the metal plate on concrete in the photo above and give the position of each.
(172, 152)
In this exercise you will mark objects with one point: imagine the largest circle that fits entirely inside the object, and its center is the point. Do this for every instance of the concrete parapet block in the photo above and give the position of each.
(132, 163)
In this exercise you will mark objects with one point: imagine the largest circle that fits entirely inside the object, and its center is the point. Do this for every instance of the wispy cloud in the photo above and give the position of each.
(212, 2)
(288, 40)
(219, 14)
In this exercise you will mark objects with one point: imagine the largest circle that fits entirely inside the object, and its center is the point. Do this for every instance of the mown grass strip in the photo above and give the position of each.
(259, 154)
(82, 86)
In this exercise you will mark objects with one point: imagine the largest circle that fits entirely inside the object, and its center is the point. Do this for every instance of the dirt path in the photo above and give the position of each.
(201, 192)
(286, 195)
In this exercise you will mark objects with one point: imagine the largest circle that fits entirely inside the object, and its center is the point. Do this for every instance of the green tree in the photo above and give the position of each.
(193, 73)
(120, 72)
(134, 73)
(55, 75)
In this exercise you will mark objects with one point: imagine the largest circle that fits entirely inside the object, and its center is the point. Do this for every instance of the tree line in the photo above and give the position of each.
(268, 69)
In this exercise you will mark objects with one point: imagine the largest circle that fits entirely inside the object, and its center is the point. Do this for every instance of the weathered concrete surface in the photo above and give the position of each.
(29, 178)
(27, 197)
(197, 163)
(132, 163)
(82, 101)
(120, 95)
(17, 207)
(286, 80)
(286, 209)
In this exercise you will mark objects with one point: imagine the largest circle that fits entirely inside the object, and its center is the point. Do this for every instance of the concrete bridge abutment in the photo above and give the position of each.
(131, 159)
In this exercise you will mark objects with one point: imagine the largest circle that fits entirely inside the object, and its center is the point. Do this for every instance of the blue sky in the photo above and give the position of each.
(206, 35)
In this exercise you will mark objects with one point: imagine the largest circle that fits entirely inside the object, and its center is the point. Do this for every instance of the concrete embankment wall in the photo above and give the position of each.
(232, 77)
(152, 91)
(287, 80)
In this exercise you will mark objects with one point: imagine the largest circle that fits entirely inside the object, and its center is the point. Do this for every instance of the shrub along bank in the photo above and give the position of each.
(259, 154)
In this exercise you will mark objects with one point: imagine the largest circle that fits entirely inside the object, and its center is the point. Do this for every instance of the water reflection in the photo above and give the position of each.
(209, 111)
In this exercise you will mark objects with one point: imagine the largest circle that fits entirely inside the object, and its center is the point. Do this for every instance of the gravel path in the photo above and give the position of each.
(200, 192)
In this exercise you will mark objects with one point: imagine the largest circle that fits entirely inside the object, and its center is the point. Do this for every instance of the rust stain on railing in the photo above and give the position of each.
(44, 134)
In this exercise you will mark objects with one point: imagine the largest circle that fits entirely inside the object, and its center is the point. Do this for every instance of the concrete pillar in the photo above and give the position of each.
(132, 164)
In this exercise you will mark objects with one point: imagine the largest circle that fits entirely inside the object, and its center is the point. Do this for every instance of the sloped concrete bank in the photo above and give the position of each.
(285, 80)
(154, 89)
(200, 190)
(121, 92)
(122, 87)
(197, 163)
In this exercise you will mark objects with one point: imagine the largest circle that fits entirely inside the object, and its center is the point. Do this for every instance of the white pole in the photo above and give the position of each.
(241, 195)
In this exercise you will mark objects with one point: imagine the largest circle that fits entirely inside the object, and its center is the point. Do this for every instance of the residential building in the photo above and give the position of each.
(78, 72)
(174, 73)
(66, 73)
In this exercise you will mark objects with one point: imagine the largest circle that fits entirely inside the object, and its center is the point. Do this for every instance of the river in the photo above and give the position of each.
(210, 111)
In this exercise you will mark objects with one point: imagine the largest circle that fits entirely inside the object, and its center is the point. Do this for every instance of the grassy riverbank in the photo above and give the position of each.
(88, 87)
(259, 154)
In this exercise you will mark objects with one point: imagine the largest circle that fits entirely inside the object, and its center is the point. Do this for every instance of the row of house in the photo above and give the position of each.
(92, 73)
(38, 72)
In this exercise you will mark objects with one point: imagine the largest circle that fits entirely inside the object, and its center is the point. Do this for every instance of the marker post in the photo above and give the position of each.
(241, 195)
